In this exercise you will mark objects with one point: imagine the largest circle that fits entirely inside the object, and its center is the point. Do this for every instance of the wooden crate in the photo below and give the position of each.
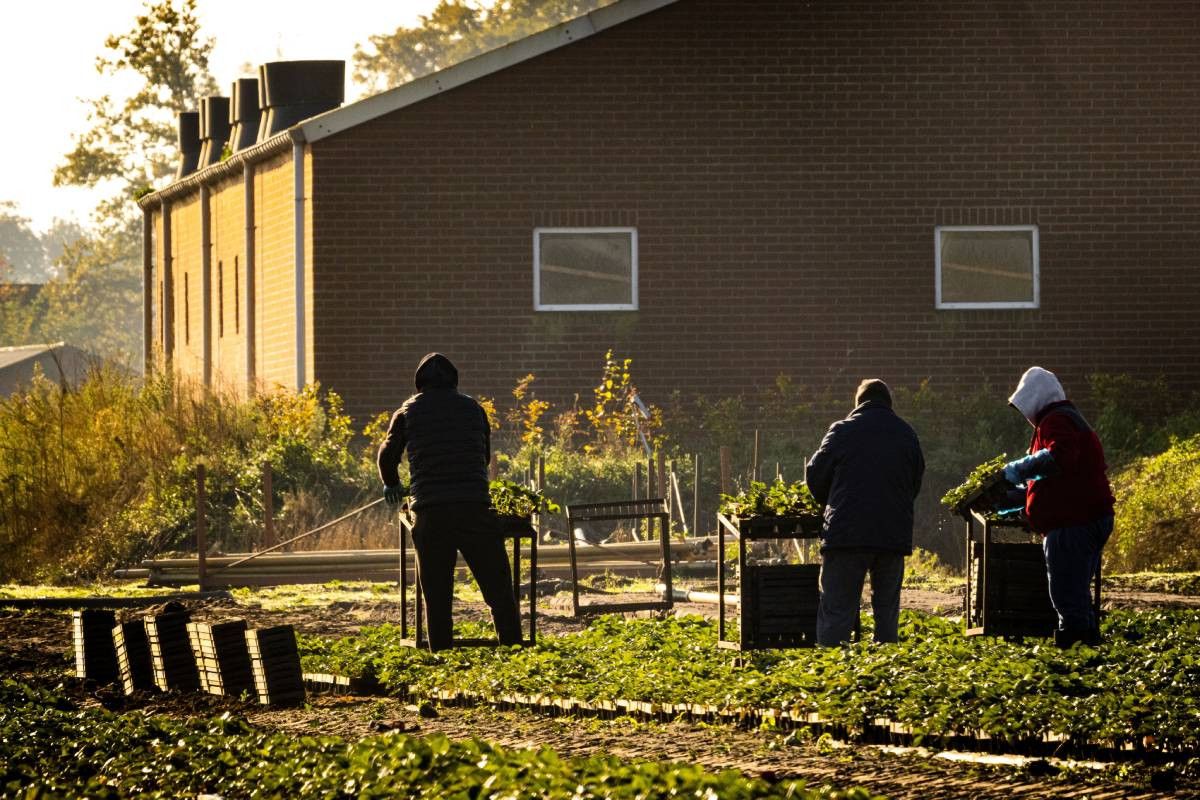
(171, 657)
(222, 657)
(275, 663)
(779, 605)
(133, 656)
(95, 656)
(1007, 588)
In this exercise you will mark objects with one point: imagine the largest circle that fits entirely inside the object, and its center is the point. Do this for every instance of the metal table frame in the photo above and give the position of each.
(986, 625)
(515, 528)
(652, 509)
(755, 529)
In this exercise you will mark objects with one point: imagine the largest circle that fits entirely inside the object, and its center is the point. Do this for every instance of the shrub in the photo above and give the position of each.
(1158, 511)
(103, 473)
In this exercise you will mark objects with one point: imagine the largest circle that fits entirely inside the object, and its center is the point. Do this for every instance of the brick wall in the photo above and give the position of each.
(785, 165)
(274, 265)
(188, 357)
(228, 228)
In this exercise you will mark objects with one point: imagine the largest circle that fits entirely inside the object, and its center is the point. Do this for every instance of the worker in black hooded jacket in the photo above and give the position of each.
(867, 473)
(448, 441)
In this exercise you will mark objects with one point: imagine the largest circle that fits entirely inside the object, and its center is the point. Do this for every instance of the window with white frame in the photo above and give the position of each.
(585, 269)
(987, 266)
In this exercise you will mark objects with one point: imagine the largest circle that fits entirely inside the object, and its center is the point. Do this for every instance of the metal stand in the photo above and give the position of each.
(654, 510)
(515, 528)
(778, 602)
(1007, 588)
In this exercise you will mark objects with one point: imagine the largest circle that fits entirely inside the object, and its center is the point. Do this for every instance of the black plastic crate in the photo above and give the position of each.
(222, 657)
(779, 605)
(133, 656)
(95, 655)
(275, 661)
(171, 657)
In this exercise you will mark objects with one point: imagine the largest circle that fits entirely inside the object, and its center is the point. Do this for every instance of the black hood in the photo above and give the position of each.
(435, 371)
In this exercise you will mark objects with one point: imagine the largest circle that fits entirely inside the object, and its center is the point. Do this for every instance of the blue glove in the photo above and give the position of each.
(394, 494)
(1030, 468)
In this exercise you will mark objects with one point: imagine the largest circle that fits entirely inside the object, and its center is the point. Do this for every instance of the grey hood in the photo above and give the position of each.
(1037, 389)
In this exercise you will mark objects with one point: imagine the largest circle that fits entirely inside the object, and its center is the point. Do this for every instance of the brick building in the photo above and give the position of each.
(724, 190)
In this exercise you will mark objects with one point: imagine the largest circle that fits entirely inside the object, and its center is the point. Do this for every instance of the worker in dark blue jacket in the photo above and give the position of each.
(866, 473)
(448, 441)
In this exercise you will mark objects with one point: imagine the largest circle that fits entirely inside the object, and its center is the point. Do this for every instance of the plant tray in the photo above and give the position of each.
(222, 657)
(133, 656)
(980, 499)
(171, 656)
(95, 655)
(801, 526)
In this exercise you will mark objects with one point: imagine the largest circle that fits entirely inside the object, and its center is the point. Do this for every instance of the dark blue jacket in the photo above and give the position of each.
(867, 473)
(447, 437)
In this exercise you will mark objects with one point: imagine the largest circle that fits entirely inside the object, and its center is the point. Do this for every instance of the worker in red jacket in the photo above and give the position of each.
(1067, 498)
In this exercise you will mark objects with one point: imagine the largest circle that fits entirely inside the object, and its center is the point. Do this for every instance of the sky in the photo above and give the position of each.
(48, 50)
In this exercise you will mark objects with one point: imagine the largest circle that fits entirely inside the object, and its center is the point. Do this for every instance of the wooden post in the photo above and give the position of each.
(494, 467)
(541, 473)
(201, 528)
(532, 468)
(660, 475)
(637, 480)
(725, 459)
(754, 464)
(696, 494)
(268, 534)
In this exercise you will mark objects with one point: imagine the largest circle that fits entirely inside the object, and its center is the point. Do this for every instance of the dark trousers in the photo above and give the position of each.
(439, 535)
(1072, 558)
(842, 576)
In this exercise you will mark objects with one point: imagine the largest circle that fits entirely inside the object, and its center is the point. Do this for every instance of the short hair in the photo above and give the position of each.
(873, 389)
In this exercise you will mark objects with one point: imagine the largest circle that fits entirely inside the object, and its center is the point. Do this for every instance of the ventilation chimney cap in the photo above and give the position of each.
(244, 113)
(188, 128)
(293, 91)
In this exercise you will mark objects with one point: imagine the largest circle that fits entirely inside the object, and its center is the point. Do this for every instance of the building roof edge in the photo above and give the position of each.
(464, 72)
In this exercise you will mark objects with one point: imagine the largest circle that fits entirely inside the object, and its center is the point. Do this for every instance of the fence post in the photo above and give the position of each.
(725, 458)
(201, 528)
(268, 537)
(637, 480)
(696, 494)
(754, 464)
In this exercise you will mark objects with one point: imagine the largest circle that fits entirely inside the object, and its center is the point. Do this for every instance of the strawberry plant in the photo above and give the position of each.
(975, 481)
(513, 499)
(778, 499)
(1143, 682)
(50, 749)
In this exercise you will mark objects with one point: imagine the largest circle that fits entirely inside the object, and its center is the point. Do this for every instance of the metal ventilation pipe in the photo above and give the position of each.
(214, 129)
(189, 143)
(293, 91)
(244, 114)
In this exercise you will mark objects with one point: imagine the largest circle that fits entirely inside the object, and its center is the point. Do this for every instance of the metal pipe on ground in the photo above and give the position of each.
(679, 595)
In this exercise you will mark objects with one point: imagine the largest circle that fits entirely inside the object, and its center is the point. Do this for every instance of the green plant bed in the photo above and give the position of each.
(48, 748)
(1144, 682)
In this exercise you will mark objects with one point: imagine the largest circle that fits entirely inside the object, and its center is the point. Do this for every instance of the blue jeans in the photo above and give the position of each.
(1072, 559)
(842, 575)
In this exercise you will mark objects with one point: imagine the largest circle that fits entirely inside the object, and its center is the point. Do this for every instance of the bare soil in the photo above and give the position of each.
(35, 646)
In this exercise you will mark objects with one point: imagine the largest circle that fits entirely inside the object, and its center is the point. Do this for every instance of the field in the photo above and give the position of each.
(613, 698)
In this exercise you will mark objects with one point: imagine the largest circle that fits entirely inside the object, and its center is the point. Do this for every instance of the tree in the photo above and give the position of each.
(96, 303)
(21, 249)
(454, 31)
(132, 142)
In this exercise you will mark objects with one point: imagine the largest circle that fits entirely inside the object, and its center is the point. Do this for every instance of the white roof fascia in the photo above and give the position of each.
(316, 128)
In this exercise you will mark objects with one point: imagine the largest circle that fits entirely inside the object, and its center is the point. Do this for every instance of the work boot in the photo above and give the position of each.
(1065, 639)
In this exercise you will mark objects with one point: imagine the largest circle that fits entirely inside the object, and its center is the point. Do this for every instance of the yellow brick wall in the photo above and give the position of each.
(228, 232)
(276, 309)
(185, 255)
